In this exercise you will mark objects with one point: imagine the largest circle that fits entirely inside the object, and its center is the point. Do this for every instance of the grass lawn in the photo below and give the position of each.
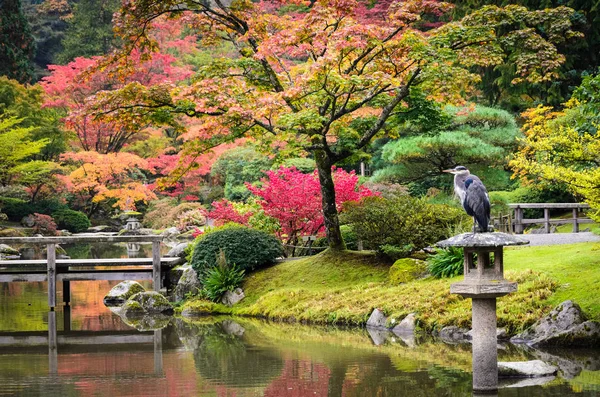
(576, 267)
(344, 289)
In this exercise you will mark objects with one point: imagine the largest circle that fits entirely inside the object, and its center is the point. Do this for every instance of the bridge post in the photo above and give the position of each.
(158, 357)
(66, 292)
(575, 223)
(51, 258)
(52, 344)
(156, 277)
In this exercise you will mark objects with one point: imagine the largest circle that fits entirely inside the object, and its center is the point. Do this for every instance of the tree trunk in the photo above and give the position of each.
(330, 213)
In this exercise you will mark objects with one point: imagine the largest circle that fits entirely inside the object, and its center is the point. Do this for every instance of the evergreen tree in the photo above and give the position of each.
(16, 42)
(90, 30)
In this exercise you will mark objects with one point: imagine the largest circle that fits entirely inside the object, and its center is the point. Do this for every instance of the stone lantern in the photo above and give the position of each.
(483, 283)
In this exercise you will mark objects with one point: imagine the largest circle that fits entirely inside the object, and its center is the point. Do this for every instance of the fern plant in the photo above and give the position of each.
(221, 278)
(446, 262)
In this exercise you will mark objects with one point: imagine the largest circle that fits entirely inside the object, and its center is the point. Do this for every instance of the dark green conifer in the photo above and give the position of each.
(16, 43)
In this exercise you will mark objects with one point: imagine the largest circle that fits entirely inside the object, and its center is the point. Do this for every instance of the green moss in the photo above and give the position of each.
(344, 288)
(407, 269)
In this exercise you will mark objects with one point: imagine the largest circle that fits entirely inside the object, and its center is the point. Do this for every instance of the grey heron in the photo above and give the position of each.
(473, 196)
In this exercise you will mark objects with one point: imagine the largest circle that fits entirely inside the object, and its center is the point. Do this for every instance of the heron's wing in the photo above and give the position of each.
(477, 202)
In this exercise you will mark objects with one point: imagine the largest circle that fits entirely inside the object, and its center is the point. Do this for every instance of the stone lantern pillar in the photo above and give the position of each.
(483, 283)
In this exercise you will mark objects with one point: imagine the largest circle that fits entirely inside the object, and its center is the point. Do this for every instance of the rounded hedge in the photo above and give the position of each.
(73, 221)
(246, 248)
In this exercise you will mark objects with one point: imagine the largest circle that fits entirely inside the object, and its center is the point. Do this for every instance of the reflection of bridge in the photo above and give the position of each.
(54, 270)
(80, 341)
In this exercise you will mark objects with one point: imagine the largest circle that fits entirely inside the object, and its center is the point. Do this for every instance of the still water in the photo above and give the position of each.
(101, 354)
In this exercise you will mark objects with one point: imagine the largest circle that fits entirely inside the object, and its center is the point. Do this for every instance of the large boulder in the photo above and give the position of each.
(453, 334)
(230, 298)
(171, 233)
(122, 291)
(28, 221)
(377, 320)
(564, 326)
(525, 369)
(407, 269)
(150, 302)
(407, 325)
(178, 252)
(188, 283)
(8, 250)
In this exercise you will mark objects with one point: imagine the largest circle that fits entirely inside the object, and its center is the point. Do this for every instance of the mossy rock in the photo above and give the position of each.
(122, 291)
(146, 302)
(11, 233)
(407, 269)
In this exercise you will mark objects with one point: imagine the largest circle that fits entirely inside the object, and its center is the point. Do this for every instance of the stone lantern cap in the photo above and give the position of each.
(475, 240)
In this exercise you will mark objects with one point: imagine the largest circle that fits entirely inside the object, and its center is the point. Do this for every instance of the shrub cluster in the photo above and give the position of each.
(246, 248)
(396, 227)
(73, 221)
(16, 209)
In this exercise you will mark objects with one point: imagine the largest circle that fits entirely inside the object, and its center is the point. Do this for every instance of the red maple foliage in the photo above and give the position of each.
(294, 200)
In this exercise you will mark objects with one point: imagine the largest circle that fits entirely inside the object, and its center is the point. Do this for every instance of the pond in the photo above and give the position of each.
(101, 354)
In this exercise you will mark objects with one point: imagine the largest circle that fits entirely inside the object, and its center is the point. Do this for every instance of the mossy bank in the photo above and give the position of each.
(344, 288)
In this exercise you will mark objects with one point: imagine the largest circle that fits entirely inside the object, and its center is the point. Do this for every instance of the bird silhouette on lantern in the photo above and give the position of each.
(473, 196)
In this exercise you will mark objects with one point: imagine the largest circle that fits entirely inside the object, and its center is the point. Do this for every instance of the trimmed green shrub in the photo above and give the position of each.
(396, 227)
(446, 262)
(221, 278)
(15, 208)
(73, 221)
(247, 248)
(406, 270)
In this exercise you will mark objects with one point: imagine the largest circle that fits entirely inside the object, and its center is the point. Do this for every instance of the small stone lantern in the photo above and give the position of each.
(484, 282)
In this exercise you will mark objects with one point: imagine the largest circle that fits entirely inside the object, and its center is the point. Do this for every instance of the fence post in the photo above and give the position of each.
(518, 220)
(575, 221)
(51, 257)
(547, 220)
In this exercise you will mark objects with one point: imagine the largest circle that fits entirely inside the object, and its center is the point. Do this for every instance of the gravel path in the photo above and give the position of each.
(560, 238)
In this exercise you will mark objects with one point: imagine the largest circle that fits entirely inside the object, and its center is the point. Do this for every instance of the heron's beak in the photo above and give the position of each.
(448, 171)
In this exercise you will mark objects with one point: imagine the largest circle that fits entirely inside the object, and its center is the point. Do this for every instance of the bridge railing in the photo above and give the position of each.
(519, 221)
(51, 261)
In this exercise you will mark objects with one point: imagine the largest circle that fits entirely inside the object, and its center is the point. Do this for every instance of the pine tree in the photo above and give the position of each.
(90, 30)
(16, 42)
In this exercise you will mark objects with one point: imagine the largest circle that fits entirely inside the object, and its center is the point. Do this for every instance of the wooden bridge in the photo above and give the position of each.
(54, 270)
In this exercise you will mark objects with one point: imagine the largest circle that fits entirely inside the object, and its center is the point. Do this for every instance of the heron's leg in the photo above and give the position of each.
(474, 225)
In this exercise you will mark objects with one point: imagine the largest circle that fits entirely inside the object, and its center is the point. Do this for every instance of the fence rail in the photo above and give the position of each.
(519, 221)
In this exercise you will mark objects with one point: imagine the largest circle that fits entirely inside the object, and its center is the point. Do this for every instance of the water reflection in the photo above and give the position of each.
(95, 352)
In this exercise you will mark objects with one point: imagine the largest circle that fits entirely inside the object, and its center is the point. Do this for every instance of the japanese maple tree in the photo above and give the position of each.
(326, 80)
(293, 198)
(72, 86)
(97, 178)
